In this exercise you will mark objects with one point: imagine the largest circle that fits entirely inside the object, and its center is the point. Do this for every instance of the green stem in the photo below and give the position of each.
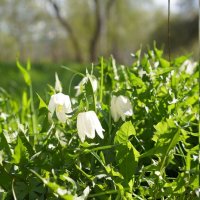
(102, 80)
(95, 102)
(103, 193)
(99, 148)
(74, 71)
(139, 143)
(49, 134)
(106, 193)
(13, 190)
(33, 116)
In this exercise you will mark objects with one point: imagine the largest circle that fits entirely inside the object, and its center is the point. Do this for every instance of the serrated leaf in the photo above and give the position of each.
(127, 160)
(165, 137)
(126, 130)
(112, 172)
(26, 143)
(20, 152)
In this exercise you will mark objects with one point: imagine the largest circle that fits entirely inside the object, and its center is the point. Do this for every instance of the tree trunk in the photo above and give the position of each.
(102, 12)
(97, 33)
(68, 28)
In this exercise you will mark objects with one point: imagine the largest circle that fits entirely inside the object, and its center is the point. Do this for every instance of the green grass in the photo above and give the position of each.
(42, 75)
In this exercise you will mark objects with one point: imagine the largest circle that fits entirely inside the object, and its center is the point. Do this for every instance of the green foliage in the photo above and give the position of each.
(153, 154)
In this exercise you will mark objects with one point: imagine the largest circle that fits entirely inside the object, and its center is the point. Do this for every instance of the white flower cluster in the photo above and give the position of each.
(87, 122)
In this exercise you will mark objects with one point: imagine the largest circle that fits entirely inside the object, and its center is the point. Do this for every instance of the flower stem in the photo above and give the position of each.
(99, 148)
(33, 116)
(102, 80)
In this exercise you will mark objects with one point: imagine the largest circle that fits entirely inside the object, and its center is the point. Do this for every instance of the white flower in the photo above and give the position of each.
(61, 104)
(84, 195)
(81, 85)
(141, 72)
(58, 86)
(120, 107)
(189, 67)
(4, 116)
(87, 124)
(61, 191)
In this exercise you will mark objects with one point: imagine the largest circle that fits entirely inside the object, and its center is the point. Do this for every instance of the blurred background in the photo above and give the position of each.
(72, 32)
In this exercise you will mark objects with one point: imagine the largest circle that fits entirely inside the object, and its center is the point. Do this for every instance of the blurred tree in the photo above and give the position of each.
(69, 30)
(64, 22)
(101, 16)
(183, 29)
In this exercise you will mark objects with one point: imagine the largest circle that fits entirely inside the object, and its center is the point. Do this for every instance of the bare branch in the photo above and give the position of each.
(69, 29)
(100, 22)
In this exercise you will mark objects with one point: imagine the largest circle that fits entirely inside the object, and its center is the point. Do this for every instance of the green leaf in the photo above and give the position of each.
(164, 63)
(126, 130)
(161, 128)
(165, 137)
(127, 160)
(20, 153)
(5, 178)
(26, 143)
(188, 161)
(158, 52)
(112, 172)
(136, 81)
(42, 104)
(168, 146)
(28, 65)
(25, 73)
(4, 144)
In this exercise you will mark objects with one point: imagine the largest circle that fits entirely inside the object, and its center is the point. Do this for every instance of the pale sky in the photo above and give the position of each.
(164, 4)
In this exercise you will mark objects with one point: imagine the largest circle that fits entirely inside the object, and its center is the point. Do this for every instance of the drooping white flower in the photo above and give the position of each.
(120, 107)
(80, 87)
(188, 66)
(58, 86)
(61, 104)
(87, 124)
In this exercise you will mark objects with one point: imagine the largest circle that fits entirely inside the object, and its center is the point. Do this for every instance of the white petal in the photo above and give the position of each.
(97, 124)
(67, 104)
(80, 127)
(123, 116)
(61, 115)
(124, 106)
(93, 82)
(113, 109)
(86, 191)
(52, 105)
(89, 124)
(60, 98)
